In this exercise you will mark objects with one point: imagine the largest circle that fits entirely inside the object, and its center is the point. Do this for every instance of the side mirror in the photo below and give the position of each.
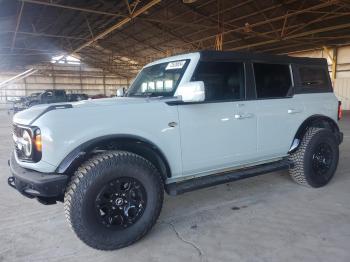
(120, 92)
(191, 91)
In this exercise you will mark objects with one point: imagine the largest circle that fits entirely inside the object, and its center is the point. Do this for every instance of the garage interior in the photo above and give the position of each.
(96, 47)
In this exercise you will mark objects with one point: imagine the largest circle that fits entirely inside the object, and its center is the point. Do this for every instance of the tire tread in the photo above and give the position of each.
(298, 172)
(80, 179)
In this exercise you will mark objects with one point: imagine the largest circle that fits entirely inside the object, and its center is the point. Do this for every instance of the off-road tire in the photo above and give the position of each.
(302, 171)
(91, 176)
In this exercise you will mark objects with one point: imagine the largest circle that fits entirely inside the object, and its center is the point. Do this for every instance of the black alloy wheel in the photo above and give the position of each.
(322, 159)
(121, 203)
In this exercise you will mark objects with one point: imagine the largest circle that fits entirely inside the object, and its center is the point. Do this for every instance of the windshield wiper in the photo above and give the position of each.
(145, 94)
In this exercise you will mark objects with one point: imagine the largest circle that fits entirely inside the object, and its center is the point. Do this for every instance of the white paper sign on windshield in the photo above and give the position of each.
(175, 65)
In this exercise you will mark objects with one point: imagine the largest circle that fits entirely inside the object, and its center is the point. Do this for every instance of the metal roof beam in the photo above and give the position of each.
(73, 8)
(311, 32)
(17, 26)
(117, 25)
(97, 12)
(277, 18)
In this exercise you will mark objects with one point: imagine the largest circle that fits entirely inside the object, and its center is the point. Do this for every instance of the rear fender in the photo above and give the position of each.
(315, 121)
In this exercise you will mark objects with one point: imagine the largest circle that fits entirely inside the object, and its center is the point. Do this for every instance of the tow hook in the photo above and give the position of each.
(11, 181)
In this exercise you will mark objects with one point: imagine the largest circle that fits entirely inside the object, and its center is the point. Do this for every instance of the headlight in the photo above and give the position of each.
(27, 144)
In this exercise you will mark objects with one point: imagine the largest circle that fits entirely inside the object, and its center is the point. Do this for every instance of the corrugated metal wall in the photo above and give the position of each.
(72, 78)
(342, 90)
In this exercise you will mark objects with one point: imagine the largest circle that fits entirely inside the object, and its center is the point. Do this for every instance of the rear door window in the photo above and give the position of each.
(272, 80)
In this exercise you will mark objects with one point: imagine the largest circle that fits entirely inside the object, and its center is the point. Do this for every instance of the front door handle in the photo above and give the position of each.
(294, 111)
(243, 116)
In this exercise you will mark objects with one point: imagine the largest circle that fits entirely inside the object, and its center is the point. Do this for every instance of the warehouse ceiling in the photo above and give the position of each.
(121, 36)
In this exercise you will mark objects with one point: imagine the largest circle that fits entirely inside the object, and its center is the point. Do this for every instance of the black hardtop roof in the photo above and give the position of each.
(263, 57)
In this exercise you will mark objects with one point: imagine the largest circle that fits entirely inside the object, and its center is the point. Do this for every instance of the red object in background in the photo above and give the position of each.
(340, 111)
(98, 96)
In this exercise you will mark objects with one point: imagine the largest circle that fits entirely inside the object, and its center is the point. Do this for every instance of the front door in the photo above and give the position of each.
(220, 132)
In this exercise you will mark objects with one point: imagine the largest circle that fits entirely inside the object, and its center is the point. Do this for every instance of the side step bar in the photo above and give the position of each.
(221, 178)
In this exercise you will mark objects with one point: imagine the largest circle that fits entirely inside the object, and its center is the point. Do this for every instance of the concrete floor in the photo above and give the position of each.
(267, 218)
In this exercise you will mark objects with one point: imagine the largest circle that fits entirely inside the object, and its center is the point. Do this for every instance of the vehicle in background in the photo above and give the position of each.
(98, 96)
(77, 97)
(14, 99)
(17, 104)
(120, 92)
(21, 103)
(34, 95)
(48, 97)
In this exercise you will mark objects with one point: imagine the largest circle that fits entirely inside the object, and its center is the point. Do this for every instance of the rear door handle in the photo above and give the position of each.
(243, 116)
(294, 111)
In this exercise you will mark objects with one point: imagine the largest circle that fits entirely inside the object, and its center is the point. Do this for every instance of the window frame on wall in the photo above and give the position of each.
(322, 88)
(232, 61)
(291, 90)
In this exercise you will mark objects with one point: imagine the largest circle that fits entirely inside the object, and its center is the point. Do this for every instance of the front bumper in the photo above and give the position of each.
(46, 187)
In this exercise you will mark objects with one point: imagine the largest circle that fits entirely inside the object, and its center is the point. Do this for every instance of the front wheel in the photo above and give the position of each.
(113, 200)
(316, 159)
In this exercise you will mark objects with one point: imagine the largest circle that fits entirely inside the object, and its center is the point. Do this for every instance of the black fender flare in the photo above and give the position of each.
(316, 121)
(79, 153)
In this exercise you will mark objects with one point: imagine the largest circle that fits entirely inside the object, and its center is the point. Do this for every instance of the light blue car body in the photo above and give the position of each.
(207, 138)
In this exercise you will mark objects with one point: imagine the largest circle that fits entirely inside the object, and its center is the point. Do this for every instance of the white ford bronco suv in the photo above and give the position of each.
(187, 122)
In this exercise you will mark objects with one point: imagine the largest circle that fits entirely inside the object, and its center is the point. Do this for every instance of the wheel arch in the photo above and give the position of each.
(130, 143)
(321, 121)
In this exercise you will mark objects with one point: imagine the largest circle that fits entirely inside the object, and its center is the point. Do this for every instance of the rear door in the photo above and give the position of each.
(278, 111)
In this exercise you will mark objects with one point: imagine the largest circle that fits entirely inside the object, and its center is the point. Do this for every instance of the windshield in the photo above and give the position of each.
(158, 80)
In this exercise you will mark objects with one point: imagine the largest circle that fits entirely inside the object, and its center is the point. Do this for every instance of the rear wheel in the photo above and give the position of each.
(316, 159)
(113, 200)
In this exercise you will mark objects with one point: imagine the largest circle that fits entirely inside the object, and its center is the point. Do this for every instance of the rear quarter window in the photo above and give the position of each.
(313, 79)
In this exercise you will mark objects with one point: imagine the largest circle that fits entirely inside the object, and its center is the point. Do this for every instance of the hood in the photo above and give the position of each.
(108, 101)
(28, 116)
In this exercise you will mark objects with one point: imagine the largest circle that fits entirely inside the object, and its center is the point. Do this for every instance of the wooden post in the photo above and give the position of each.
(333, 58)
(104, 83)
(25, 87)
(334, 64)
(81, 80)
(53, 77)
